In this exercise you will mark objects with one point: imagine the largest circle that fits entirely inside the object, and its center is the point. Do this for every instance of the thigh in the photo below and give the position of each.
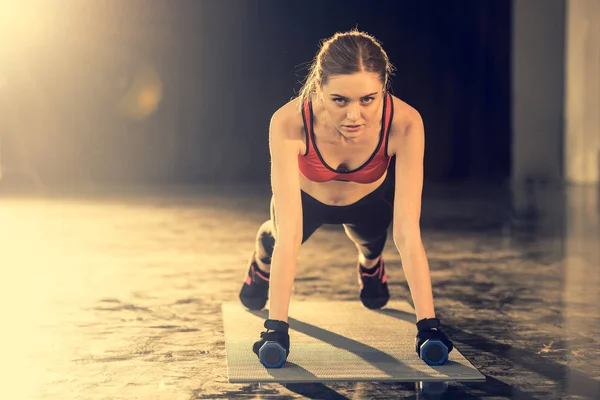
(369, 223)
(371, 217)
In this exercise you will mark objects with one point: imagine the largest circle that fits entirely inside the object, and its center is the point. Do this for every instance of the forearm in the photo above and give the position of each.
(282, 274)
(416, 270)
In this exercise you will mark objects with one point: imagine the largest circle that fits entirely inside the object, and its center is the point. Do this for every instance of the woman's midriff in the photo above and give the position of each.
(337, 193)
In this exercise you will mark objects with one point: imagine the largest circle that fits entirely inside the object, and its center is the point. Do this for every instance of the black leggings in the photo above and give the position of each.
(366, 221)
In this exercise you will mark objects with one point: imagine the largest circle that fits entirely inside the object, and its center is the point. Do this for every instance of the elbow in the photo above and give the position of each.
(288, 231)
(288, 244)
(288, 236)
(407, 238)
(286, 253)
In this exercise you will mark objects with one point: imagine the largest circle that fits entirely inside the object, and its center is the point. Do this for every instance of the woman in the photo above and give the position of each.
(331, 152)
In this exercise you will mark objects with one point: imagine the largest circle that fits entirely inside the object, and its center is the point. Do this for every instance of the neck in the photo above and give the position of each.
(348, 140)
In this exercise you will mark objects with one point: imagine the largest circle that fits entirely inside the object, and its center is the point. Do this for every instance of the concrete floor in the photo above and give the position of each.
(115, 294)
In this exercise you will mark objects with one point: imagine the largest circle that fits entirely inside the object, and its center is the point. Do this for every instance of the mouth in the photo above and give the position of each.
(351, 126)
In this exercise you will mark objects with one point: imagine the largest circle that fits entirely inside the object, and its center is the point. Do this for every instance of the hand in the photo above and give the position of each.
(428, 329)
(277, 331)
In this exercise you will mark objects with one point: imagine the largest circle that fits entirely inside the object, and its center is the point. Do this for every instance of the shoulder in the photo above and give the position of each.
(287, 123)
(407, 122)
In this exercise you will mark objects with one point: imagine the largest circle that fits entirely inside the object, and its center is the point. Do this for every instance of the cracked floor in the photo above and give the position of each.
(116, 294)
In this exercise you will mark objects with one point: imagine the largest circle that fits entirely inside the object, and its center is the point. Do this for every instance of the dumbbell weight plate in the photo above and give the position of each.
(434, 352)
(272, 355)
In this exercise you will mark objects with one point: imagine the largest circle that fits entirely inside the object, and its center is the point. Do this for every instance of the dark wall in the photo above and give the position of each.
(227, 65)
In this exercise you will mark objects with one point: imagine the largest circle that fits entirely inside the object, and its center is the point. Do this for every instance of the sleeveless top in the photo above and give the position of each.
(313, 167)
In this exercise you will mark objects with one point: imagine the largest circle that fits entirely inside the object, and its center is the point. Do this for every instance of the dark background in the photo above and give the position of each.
(225, 67)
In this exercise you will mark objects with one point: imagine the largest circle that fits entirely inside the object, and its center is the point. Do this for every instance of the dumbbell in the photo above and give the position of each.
(432, 351)
(272, 354)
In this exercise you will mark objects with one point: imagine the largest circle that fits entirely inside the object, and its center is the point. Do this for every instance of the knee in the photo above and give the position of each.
(370, 246)
(265, 242)
(366, 237)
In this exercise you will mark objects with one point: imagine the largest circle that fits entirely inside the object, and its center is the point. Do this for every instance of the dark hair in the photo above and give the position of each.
(347, 53)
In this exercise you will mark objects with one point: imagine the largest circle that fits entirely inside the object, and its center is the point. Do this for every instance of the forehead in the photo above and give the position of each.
(353, 85)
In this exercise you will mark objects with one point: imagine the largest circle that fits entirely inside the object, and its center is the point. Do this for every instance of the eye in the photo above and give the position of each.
(368, 99)
(339, 100)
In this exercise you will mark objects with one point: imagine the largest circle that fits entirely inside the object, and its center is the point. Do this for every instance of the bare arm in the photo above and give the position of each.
(285, 182)
(410, 146)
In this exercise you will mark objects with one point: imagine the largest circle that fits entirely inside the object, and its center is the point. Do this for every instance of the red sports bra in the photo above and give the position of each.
(313, 167)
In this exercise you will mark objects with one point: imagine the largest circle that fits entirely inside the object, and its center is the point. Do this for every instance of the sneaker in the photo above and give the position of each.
(255, 291)
(374, 292)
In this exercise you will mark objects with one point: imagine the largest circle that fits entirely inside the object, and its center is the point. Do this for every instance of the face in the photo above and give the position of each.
(353, 102)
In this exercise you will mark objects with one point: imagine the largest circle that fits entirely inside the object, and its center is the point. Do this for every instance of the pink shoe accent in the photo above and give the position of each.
(258, 272)
(255, 271)
(381, 268)
(377, 271)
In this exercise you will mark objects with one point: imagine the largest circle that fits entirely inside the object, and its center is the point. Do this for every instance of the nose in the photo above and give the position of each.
(353, 112)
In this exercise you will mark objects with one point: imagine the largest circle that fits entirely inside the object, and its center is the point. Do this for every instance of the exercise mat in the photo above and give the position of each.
(338, 341)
